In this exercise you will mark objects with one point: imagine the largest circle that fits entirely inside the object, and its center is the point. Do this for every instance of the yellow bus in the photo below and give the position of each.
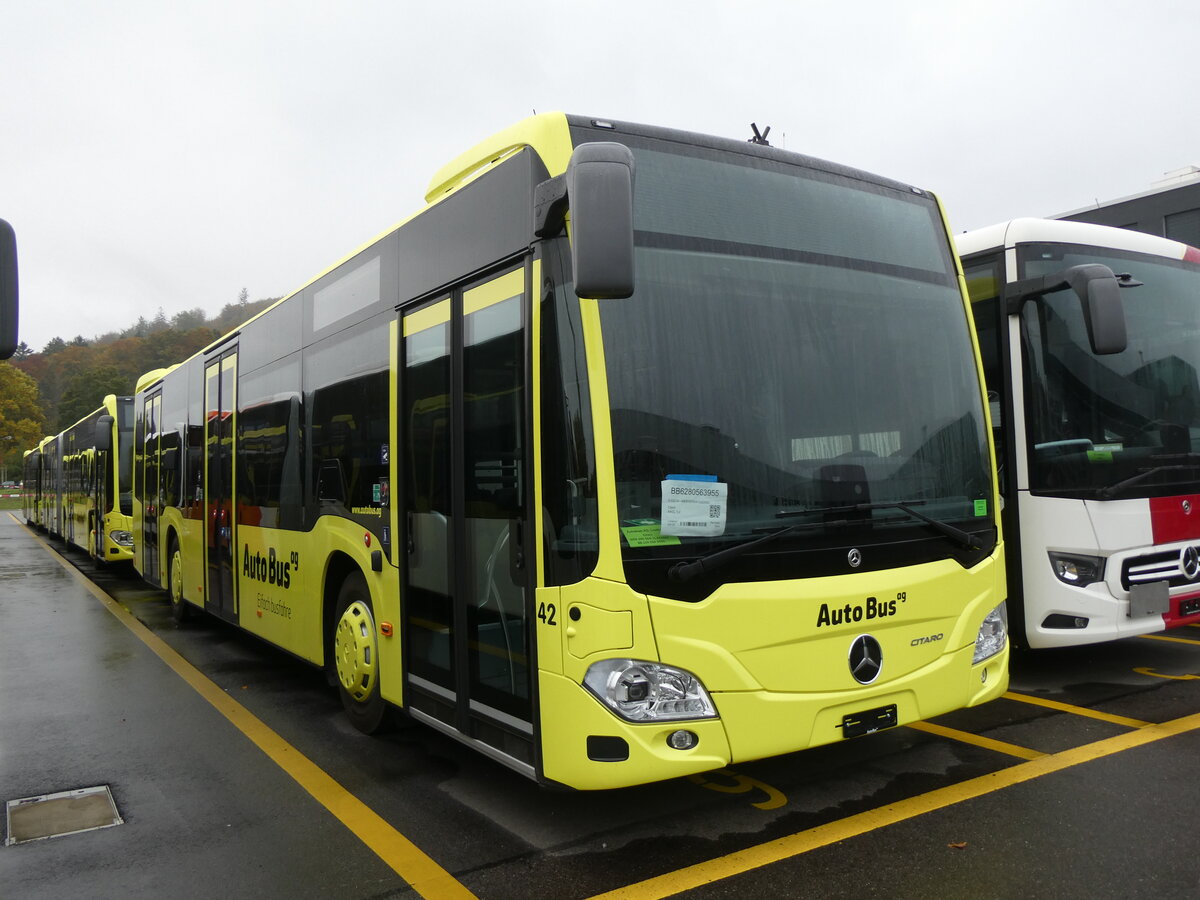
(96, 466)
(634, 453)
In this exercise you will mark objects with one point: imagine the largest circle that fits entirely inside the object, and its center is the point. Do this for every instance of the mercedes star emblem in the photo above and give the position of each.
(866, 659)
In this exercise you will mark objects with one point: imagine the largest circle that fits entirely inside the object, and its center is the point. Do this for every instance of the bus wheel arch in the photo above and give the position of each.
(352, 639)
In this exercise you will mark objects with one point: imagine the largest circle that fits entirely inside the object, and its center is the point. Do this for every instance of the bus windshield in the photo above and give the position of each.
(1122, 425)
(797, 348)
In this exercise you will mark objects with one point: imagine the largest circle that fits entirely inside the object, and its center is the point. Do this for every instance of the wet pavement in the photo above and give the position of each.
(1083, 782)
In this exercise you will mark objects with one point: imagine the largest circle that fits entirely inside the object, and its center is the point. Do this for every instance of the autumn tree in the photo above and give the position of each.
(22, 423)
(85, 390)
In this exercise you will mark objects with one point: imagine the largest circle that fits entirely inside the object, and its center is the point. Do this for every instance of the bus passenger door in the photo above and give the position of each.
(152, 412)
(465, 587)
(220, 595)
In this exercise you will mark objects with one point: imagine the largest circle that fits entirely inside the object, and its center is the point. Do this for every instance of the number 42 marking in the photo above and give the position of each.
(546, 612)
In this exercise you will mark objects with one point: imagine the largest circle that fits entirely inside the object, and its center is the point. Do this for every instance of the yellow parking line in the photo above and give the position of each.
(407, 860)
(1167, 637)
(1076, 710)
(853, 826)
(967, 738)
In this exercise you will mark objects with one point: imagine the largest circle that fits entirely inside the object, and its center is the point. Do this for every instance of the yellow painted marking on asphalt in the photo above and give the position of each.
(742, 784)
(967, 738)
(1146, 670)
(853, 826)
(1167, 637)
(1076, 710)
(407, 860)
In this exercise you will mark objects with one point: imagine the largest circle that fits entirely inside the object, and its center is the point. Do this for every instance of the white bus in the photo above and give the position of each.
(1090, 338)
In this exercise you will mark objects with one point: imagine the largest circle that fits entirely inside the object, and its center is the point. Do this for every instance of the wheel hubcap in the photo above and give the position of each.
(354, 651)
(176, 580)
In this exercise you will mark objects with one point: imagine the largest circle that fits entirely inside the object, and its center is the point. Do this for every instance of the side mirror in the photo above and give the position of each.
(8, 290)
(1099, 295)
(1103, 310)
(104, 426)
(598, 189)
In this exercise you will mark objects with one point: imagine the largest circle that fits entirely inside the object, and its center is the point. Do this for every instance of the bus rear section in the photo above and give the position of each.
(1089, 342)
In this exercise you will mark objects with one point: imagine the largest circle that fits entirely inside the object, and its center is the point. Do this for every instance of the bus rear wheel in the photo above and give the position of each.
(179, 607)
(355, 651)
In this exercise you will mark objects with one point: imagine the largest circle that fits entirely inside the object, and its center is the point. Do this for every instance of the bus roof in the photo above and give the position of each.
(1054, 231)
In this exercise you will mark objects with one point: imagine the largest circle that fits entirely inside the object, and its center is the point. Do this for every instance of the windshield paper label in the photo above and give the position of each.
(646, 533)
(693, 505)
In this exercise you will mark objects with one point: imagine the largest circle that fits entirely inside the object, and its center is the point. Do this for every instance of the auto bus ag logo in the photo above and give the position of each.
(267, 569)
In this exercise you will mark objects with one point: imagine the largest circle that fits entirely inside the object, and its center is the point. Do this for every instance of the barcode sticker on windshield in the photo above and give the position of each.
(693, 507)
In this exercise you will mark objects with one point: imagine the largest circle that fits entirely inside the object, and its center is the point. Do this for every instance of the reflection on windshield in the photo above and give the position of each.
(1127, 422)
(799, 388)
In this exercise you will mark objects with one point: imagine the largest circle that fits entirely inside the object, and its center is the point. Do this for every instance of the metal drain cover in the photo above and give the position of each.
(55, 815)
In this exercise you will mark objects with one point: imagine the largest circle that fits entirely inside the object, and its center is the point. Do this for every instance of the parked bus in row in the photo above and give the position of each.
(41, 496)
(97, 476)
(1091, 347)
(633, 454)
(35, 478)
(78, 483)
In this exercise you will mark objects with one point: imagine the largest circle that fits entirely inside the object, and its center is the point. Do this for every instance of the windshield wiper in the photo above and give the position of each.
(687, 571)
(1187, 461)
(682, 571)
(965, 538)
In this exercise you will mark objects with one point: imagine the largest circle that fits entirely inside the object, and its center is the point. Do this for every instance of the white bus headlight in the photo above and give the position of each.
(124, 538)
(1077, 570)
(648, 692)
(992, 634)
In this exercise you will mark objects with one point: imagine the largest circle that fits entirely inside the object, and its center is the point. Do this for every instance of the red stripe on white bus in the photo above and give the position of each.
(1175, 518)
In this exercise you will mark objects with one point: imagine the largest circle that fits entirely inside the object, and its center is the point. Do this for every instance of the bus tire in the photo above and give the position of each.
(179, 607)
(354, 648)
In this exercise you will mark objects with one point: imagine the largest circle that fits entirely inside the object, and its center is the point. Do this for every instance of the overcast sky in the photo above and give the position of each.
(152, 156)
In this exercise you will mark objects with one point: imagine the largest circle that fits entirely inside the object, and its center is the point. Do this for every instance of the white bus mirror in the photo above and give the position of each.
(1103, 309)
(1099, 294)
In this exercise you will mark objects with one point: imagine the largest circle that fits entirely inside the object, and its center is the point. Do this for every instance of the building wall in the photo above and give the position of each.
(1172, 212)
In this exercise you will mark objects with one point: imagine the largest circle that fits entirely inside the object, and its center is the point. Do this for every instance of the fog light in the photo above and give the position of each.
(683, 740)
(124, 538)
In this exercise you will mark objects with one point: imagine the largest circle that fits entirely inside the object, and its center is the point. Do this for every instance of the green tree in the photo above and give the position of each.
(84, 391)
(22, 423)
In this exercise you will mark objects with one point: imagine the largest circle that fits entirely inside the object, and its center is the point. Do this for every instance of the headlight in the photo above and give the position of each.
(648, 692)
(1077, 570)
(992, 634)
(124, 538)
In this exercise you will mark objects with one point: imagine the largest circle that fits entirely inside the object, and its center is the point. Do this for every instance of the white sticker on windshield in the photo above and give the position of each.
(693, 505)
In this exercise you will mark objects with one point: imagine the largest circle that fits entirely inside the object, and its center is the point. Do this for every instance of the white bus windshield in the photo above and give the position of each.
(1121, 425)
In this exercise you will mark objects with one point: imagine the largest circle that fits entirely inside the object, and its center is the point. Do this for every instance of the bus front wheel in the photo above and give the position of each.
(355, 651)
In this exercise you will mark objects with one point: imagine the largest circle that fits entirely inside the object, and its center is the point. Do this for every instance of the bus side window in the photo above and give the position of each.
(569, 456)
